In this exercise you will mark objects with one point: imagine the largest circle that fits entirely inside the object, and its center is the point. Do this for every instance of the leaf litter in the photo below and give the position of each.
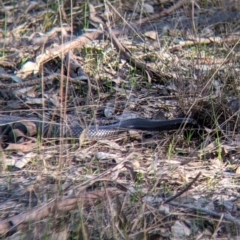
(172, 58)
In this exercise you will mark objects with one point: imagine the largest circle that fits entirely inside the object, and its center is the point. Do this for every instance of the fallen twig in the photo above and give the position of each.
(56, 206)
(134, 62)
(40, 80)
(60, 50)
(198, 40)
(183, 190)
(200, 210)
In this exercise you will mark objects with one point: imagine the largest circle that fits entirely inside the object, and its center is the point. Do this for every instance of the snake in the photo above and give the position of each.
(8, 123)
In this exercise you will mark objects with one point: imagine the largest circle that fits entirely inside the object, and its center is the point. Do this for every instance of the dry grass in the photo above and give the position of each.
(183, 61)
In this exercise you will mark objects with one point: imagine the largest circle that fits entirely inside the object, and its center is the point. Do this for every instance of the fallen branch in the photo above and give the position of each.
(183, 190)
(41, 80)
(60, 50)
(200, 210)
(198, 40)
(126, 54)
(56, 206)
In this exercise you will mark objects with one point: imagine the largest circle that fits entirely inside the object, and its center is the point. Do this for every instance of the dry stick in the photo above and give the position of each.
(214, 235)
(225, 216)
(55, 52)
(38, 81)
(163, 13)
(56, 206)
(76, 43)
(128, 56)
(43, 79)
(184, 190)
(59, 51)
(198, 40)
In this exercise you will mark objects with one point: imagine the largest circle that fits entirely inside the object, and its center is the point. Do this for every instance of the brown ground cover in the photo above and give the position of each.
(98, 61)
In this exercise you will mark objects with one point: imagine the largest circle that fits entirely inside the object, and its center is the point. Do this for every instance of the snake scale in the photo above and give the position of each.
(8, 123)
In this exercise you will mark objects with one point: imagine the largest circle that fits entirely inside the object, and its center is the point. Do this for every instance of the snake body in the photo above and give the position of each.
(94, 131)
(138, 124)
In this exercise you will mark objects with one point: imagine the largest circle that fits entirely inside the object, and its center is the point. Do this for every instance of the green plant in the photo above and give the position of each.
(170, 152)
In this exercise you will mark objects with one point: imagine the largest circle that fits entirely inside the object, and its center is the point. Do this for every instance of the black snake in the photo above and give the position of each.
(9, 123)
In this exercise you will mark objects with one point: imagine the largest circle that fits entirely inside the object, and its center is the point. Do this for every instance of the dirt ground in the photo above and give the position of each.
(98, 62)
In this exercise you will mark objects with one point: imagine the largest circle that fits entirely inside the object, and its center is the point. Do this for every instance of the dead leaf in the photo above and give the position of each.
(27, 69)
(238, 170)
(151, 34)
(26, 147)
(180, 230)
(25, 159)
